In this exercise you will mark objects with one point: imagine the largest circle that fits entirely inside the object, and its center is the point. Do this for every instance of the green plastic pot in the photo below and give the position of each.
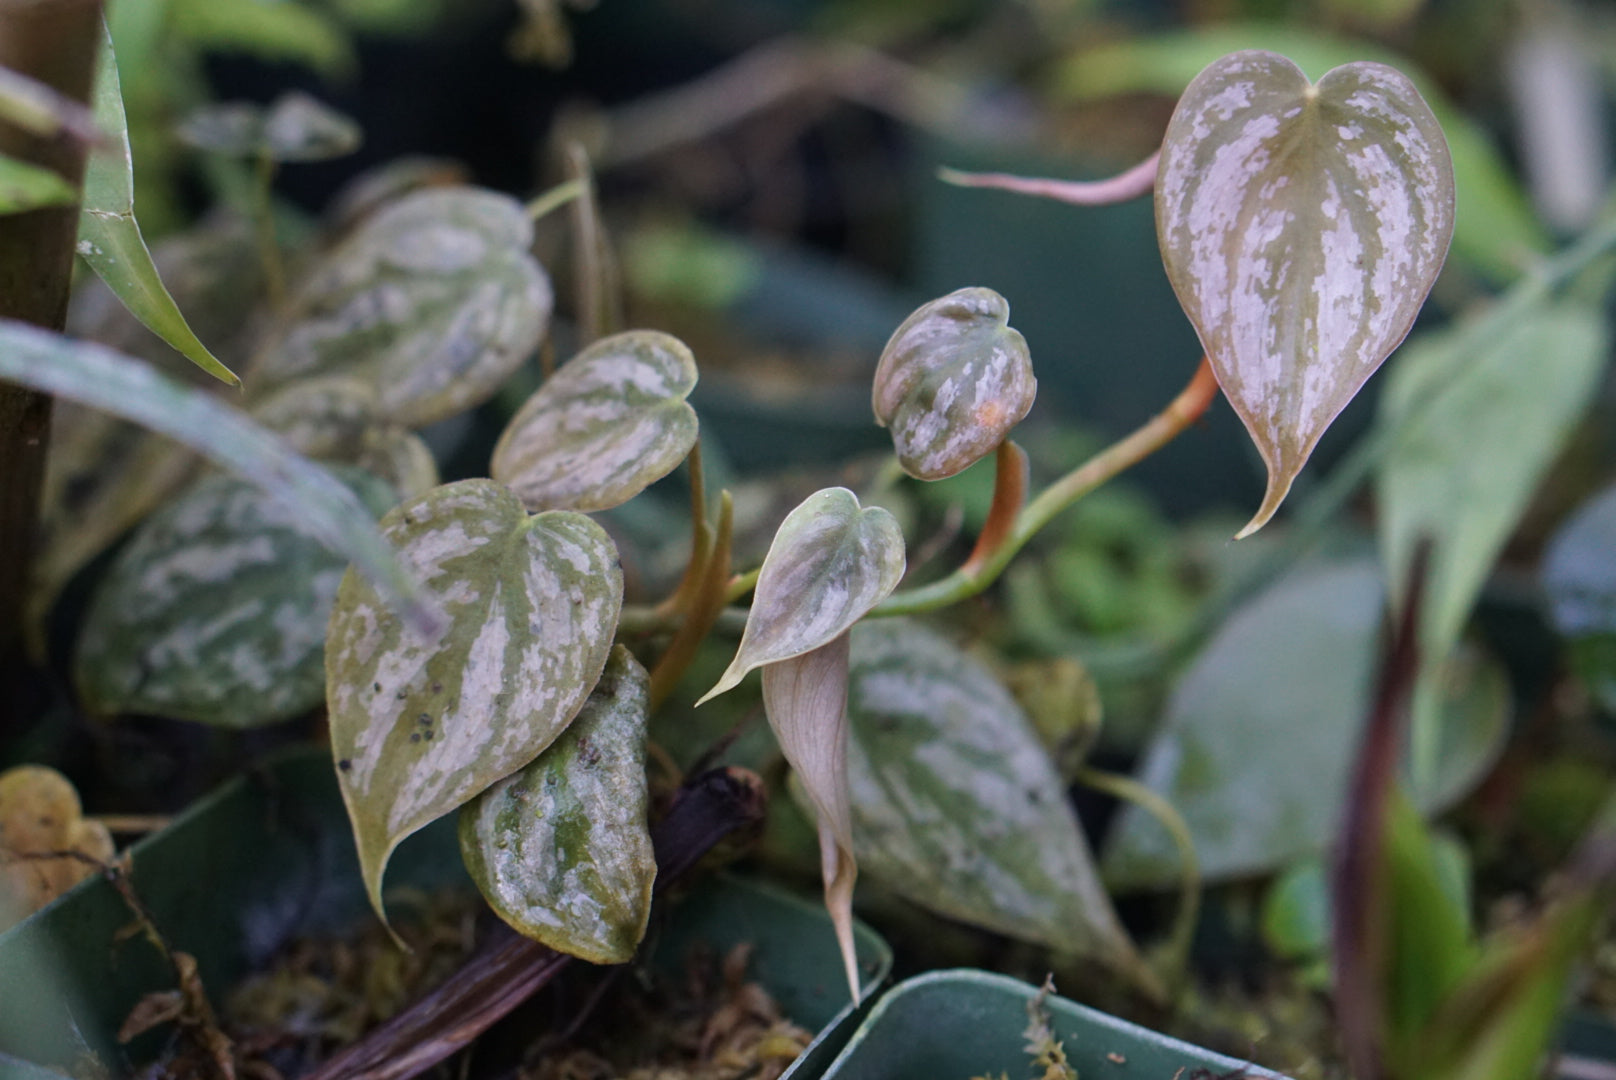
(953, 1025)
(269, 856)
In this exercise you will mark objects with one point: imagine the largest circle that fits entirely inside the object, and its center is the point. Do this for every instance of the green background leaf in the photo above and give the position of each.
(28, 187)
(1579, 574)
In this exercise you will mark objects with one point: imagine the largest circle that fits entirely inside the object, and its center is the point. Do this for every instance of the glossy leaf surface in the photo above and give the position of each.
(952, 381)
(956, 804)
(831, 561)
(109, 236)
(28, 187)
(1301, 226)
(102, 379)
(606, 425)
(216, 609)
(419, 726)
(561, 849)
(433, 300)
(1579, 574)
(1260, 730)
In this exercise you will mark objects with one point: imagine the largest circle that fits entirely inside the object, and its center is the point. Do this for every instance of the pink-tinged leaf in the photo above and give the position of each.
(1302, 227)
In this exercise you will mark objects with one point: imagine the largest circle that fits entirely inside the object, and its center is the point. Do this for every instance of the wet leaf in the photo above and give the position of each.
(1580, 578)
(216, 609)
(561, 849)
(610, 422)
(1301, 226)
(420, 726)
(952, 381)
(40, 815)
(829, 564)
(956, 804)
(28, 187)
(1477, 423)
(109, 236)
(294, 127)
(433, 300)
(102, 379)
(1260, 730)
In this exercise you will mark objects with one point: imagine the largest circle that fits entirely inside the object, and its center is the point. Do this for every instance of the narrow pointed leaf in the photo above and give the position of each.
(956, 804)
(561, 849)
(1301, 226)
(420, 726)
(216, 609)
(434, 301)
(103, 379)
(952, 381)
(830, 563)
(109, 236)
(28, 187)
(610, 422)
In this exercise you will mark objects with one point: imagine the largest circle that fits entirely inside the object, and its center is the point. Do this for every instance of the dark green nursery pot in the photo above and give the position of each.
(269, 856)
(959, 1024)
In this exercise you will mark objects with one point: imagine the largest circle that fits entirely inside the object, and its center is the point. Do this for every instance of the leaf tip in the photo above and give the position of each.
(1279, 485)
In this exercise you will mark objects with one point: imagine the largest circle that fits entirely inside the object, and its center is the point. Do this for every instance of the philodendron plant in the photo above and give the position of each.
(1302, 226)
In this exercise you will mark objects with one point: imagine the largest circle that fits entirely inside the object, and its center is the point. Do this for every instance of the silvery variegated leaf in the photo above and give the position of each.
(294, 127)
(216, 609)
(561, 849)
(831, 562)
(610, 422)
(1301, 226)
(956, 804)
(434, 301)
(952, 381)
(400, 457)
(421, 726)
(325, 417)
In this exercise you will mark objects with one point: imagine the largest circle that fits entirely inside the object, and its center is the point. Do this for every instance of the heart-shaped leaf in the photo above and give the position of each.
(434, 301)
(1580, 577)
(612, 421)
(1301, 226)
(420, 727)
(561, 849)
(1261, 729)
(957, 806)
(952, 381)
(830, 563)
(216, 609)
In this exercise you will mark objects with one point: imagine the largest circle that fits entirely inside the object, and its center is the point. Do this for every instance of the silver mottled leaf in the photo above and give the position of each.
(952, 381)
(400, 457)
(561, 849)
(610, 422)
(1301, 226)
(831, 562)
(419, 727)
(957, 806)
(216, 609)
(294, 127)
(434, 301)
(324, 417)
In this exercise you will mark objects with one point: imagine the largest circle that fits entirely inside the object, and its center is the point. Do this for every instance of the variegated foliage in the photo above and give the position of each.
(957, 806)
(1301, 226)
(561, 849)
(216, 609)
(433, 301)
(421, 726)
(609, 423)
(952, 381)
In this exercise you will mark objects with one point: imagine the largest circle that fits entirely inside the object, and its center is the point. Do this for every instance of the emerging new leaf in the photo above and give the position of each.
(434, 301)
(1301, 226)
(829, 564)
(561, 849)
(420, 727)
(952, 382)
(612, 421)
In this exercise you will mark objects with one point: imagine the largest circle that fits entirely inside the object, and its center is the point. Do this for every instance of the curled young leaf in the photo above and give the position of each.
(216, 609)
(419, 727)
(561, 849)
(952, 381)
(805, 697)
(830, 563)
(1301, 226)
(610, 422)
(434, 300)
